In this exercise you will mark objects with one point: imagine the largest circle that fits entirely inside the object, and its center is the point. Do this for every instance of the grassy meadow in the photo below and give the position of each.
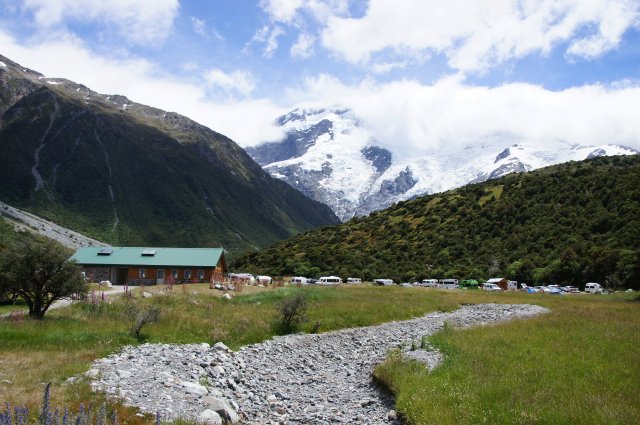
(578, 364)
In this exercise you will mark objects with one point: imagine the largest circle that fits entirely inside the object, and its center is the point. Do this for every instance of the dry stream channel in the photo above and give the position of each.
(294, 379)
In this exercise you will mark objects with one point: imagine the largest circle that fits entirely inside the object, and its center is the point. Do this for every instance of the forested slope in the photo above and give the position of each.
(569, 224)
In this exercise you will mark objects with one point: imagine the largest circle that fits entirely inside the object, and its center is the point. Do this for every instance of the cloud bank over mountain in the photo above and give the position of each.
(422, 74)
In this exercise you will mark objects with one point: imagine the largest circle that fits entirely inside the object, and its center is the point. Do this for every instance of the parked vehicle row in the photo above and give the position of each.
(494, 284)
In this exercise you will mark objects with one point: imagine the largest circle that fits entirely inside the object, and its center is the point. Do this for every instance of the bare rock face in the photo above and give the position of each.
(294, 379)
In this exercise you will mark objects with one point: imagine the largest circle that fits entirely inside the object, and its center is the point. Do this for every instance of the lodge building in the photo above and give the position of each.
(151, 266)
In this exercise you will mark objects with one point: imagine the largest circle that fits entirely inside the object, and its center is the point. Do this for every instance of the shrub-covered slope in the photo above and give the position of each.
(129, 174)
(569, 223)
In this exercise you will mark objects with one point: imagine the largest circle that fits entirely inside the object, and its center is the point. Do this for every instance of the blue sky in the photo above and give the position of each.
(412, 70)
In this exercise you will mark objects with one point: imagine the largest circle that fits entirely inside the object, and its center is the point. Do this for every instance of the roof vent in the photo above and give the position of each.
(149, 252)
(105, 251)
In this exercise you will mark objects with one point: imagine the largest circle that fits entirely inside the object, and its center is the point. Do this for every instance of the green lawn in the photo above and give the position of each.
(548, 369)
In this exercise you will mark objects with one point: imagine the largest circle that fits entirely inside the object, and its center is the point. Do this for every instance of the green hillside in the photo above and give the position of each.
(568, 224)
(128, 174)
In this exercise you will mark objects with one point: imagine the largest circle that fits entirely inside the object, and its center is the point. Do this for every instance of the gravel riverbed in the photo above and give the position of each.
(295, 379)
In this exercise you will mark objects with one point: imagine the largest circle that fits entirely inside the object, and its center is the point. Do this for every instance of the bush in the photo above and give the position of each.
(140, 316)
(291, 312)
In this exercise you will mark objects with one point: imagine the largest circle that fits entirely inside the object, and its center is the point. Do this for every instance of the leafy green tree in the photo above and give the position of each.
(628, 269)
(39, 273)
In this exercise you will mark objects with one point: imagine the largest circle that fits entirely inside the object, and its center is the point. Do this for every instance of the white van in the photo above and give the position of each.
(448, 283)
(593, 288)
(242, 277)
(264, 280)
(384, 282)
(354, 280)
(329, 280)
(431, 283)
(299, 280)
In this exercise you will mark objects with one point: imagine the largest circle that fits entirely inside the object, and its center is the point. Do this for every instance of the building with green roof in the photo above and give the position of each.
(150, 266)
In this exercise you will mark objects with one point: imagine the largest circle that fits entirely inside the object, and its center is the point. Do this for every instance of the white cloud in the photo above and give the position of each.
(410, 118)
(139, 21)
(303, 47)
(247, 121)
(475, 35)
(239, 81)
(200, 27)
(384, 67)
(281, 10)
(290, 11)
(269, 37)
(299, 16)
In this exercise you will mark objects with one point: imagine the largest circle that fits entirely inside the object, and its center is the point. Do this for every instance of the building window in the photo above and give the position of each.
(160, 274)
(174, 273)
(187, 274)
(200, 274)
(142, 273)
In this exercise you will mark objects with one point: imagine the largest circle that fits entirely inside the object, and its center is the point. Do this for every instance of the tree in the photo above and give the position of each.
(39, 273)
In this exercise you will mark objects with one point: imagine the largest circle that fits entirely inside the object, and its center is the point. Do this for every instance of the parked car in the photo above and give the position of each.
(431, 283)
(406, 285)
(384, 282)
(569, 289)
(593, 288)
(491, 287)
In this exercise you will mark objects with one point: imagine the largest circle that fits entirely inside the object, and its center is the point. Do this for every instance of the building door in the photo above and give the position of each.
(160, 277)
(120, 276)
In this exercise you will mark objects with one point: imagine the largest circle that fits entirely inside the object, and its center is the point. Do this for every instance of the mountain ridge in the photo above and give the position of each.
(126, 173)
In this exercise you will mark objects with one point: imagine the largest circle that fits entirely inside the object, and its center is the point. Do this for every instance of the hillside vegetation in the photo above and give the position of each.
(568, 224)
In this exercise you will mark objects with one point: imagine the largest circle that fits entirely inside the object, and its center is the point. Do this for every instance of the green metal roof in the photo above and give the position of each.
(133, 256)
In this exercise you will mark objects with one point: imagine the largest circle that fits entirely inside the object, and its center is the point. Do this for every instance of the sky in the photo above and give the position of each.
(420, 74)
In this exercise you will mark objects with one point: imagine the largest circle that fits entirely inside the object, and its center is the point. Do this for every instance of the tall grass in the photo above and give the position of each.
(578, 364)
(69, 339)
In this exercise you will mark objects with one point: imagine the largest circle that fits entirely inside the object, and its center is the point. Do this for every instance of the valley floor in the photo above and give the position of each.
(296, 379)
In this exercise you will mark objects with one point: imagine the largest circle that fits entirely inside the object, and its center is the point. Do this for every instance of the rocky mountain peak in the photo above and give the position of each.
(328, 154)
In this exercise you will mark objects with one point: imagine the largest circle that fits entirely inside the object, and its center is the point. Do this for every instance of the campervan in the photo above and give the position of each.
(354, 280)
(299, 280)
(593, 288)
(329, 280)
(264, 280)
(384, 282)
(242, 277)
(448, 283)
(431, 283)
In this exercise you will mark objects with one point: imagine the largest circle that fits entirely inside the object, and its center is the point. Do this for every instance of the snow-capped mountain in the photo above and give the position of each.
(331, 157)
